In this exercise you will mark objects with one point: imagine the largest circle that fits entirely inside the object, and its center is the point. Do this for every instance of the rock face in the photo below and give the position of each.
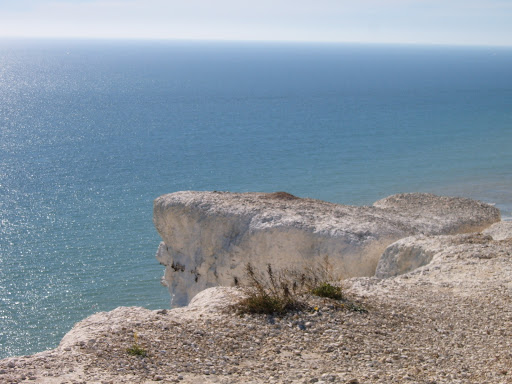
(413, 252)
(208, 237)
(405, 255)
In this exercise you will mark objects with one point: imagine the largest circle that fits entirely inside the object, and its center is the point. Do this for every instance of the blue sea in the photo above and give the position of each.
(92, 131)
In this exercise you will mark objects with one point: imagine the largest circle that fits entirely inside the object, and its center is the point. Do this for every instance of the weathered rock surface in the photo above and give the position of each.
(407, 254)
(208, 237)
(500, 231)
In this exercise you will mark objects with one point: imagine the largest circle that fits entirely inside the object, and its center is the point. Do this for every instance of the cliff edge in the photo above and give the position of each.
(209, 237)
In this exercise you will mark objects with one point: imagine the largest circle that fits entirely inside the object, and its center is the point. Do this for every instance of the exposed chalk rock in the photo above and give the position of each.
(407, 254)
(208, 237)
(413, 252)
(94, 326)
(410, 253)
(208, 303)
(440, 215)
(500, 231)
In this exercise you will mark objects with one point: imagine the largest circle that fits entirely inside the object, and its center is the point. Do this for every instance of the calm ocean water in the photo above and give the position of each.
(91, 132)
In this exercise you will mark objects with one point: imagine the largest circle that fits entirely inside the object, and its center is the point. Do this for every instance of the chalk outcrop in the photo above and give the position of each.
(405, 255)
(208, 237)
(500, 231)
(410, 253)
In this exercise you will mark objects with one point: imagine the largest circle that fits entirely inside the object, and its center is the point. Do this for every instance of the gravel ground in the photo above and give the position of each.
(447, 322)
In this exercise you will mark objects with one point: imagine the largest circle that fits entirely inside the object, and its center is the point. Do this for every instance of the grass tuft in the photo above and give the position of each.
(268, 292)
(279, 292)
(265, 304)
(136, 350)
(328, 290)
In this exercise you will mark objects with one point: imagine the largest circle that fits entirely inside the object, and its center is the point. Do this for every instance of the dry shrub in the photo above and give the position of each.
(279, 292)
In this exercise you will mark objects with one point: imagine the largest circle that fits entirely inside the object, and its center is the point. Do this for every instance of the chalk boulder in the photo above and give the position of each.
(208, 237)
(500, 231)
(411, 253)
(408, 254)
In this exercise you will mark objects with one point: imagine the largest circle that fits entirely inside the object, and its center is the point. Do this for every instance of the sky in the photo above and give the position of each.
(459, 22)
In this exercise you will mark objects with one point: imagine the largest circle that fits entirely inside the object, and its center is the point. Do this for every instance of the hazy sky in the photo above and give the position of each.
(478, 22)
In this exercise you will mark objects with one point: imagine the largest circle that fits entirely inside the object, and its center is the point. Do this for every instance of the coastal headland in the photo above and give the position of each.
(431, 277)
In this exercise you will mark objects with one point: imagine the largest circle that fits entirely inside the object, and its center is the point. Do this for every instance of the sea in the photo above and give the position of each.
(92, 131)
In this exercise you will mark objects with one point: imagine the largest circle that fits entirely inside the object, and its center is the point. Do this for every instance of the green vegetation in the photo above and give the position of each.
(136, 350)
(355, 307)
(265, 304)
(272, 292)
(269, 293)
(329, 291)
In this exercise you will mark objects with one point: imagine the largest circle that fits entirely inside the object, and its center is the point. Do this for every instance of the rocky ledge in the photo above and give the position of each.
(449, 321)
(208, 237)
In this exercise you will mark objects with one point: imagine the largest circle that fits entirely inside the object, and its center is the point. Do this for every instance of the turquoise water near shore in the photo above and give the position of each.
(92, 131)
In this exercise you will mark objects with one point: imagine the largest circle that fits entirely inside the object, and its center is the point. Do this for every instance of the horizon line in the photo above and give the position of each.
(234, 40)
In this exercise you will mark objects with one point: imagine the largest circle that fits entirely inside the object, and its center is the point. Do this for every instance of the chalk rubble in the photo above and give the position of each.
(209, 237)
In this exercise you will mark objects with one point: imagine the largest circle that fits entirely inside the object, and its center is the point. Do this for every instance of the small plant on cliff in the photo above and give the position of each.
(272, 292)
(318, 280)
(329, 291)
(268, 292)
(136, 349)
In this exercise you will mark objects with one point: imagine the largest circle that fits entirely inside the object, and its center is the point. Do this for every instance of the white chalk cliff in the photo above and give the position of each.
(208, 237)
